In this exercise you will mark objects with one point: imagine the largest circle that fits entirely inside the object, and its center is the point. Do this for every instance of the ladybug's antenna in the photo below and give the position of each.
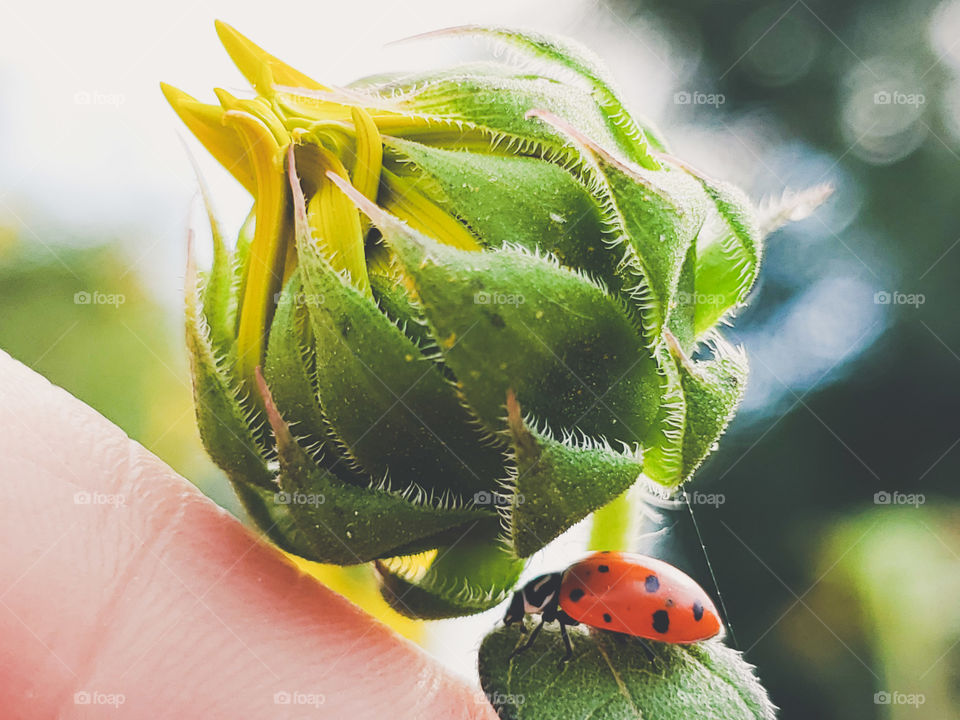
(713, 575)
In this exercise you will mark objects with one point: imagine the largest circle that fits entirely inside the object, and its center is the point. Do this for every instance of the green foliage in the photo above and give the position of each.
(616, 677)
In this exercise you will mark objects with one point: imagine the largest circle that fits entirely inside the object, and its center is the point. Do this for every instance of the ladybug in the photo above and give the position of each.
(622, 592)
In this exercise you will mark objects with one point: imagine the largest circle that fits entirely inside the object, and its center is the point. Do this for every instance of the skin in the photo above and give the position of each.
(151, 592)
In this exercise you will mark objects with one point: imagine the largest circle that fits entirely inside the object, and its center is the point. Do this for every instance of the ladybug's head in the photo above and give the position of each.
(515, 611)
(535, 597)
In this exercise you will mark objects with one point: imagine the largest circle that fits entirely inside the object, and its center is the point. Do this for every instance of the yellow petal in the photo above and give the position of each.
(260, 68)
(335, 223)
(270, 238)
(259, 108)
(311, 108)
(206, 123)
(401, 198)
(366, 171)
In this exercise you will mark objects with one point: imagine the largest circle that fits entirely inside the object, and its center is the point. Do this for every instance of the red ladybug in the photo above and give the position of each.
(622, 592)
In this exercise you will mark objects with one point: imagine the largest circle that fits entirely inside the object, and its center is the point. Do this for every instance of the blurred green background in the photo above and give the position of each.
(836, 546)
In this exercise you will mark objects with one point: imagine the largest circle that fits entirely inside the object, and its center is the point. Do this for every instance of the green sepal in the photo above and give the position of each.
(224, 423)
(658, 214)
(568, 56)
(618, 677)
(490, 109)
(544, 347)
(728, 260)
(218, 304)
(388, 405)
(557, 483)
(345, 524)
(663, 452)
(473, 574)
(683, 316)
(274, 519)
(227, 430)
(555, 212)
(289, 372)
(241, 257)
(712, 390)
(394, 302)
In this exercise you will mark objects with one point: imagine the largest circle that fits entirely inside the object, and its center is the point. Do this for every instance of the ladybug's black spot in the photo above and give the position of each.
(606, 617)
(652, 583)
(576, 594)
(697, 611)
(661, 621)
(603, 568)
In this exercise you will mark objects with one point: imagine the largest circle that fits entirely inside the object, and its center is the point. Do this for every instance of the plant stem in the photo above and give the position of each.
(611, 525)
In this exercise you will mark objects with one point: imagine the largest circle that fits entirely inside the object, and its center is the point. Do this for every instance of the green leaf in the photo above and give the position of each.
(345, 524)
(617, 677)
(558, 483)
(473, 574)
(389, 406)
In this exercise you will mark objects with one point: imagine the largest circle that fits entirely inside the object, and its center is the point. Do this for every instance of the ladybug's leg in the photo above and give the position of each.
(566, 643)
(530, 640)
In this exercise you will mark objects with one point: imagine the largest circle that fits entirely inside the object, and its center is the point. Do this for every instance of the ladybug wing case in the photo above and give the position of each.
(640, 596)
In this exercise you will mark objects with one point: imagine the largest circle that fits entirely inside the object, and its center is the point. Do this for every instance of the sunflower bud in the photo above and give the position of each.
(463, 314)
